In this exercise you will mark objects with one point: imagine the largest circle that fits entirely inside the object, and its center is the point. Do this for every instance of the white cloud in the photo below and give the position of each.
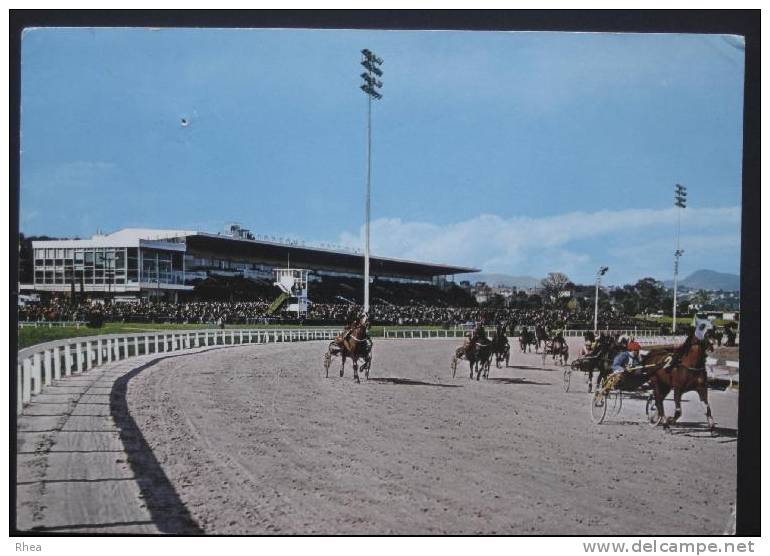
(573, 242)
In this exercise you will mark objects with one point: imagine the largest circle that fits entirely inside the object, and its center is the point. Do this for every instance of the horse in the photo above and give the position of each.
(527, 339)
(688, 374)
(478, 354)
(540, 336)
(716, 336)
(605, 351)
(500, 346)
(356, 345)
(557, 347)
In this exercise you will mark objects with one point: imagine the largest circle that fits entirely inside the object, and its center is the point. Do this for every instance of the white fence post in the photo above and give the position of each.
(67, 360)
(56, 363)
(37, 370)
(79, 354)
(19, 388)
(47, 366)
(26, 380)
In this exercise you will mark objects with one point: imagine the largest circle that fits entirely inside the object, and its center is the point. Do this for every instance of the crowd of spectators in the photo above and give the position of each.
(256, 312)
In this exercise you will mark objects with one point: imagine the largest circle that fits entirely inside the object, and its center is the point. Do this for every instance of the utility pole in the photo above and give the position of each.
(680, 201)
(371, 87)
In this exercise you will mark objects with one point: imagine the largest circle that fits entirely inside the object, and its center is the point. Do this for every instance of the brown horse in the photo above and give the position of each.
(478, 354)
(688, 374)
(355, 344)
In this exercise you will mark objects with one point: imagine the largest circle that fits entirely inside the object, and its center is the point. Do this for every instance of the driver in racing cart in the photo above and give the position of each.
(623, 363)
(480, 334)
(355, 321)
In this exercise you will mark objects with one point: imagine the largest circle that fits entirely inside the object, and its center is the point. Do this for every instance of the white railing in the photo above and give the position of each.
(631, 332)
(661, 340)
(51, 323)
(424, 333)
(41, 364)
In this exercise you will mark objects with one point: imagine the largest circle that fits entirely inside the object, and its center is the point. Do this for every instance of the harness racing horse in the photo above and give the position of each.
(478, 353)
(687, 374)
(527, 339)
(605, 352)
(355, 344)
(716, 336)
(557, 348)
(540, 336)
(500, 346)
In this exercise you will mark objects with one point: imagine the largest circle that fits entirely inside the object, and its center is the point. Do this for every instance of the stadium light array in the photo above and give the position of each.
(680, 201)
(370, 86)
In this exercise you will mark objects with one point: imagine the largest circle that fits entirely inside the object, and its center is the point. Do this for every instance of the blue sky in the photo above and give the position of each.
(518, 153)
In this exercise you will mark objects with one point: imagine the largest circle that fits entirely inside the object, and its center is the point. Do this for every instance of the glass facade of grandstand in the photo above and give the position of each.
(107, 266)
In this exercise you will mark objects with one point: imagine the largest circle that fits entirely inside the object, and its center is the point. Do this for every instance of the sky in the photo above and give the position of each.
(520, 153)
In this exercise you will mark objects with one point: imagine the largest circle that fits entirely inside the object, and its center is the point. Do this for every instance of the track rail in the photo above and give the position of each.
(39, 365)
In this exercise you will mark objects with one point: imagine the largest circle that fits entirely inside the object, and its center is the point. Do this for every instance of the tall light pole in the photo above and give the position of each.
(371, 87)
(599, 273)
(680, 201)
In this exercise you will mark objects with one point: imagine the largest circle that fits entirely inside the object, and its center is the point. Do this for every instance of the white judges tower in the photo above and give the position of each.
(293, 284)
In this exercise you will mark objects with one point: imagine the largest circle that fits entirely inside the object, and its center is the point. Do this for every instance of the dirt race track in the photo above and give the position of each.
(255, 440)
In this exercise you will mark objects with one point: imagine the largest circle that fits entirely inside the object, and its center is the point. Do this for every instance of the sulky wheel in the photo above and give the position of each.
(598, 406)
(652, 412)
(567, 376)
(327, 362)
(615, 402)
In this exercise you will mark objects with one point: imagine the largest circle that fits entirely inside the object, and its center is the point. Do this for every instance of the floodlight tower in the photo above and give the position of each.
(680, 201)
(370, 86)
(599, 273)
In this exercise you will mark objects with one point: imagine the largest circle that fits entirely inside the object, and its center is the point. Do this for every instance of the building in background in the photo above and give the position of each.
(152, 263)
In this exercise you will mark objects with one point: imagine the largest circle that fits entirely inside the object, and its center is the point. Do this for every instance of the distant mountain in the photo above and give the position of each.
(520, 282)
(709, 280)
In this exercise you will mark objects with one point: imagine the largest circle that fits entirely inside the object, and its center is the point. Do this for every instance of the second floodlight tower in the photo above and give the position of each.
(680, 201)
(371, 87)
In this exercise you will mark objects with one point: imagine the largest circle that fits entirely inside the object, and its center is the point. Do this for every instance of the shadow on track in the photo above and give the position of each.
(701, 430)
(519, 381)
(409, 382)
(168, 511)
(528, 368)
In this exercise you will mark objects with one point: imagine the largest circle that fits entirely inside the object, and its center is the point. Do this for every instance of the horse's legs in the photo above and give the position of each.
(704, 398)
(661, 391)
(342, 366)
(355, 369)
(678, 403)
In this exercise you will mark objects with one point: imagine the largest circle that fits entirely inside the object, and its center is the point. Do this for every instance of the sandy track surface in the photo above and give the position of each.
(255, 440)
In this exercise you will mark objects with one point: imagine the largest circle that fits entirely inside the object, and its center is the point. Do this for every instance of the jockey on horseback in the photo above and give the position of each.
(589, 346)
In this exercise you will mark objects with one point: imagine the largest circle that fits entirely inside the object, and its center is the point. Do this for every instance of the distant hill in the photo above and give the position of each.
(520, 282)
(709, 280)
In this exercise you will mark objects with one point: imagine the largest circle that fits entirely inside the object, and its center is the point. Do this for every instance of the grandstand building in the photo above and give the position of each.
(144, 263)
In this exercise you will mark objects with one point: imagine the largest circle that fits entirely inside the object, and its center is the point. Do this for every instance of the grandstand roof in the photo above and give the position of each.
(275, 253)
(317, 258)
